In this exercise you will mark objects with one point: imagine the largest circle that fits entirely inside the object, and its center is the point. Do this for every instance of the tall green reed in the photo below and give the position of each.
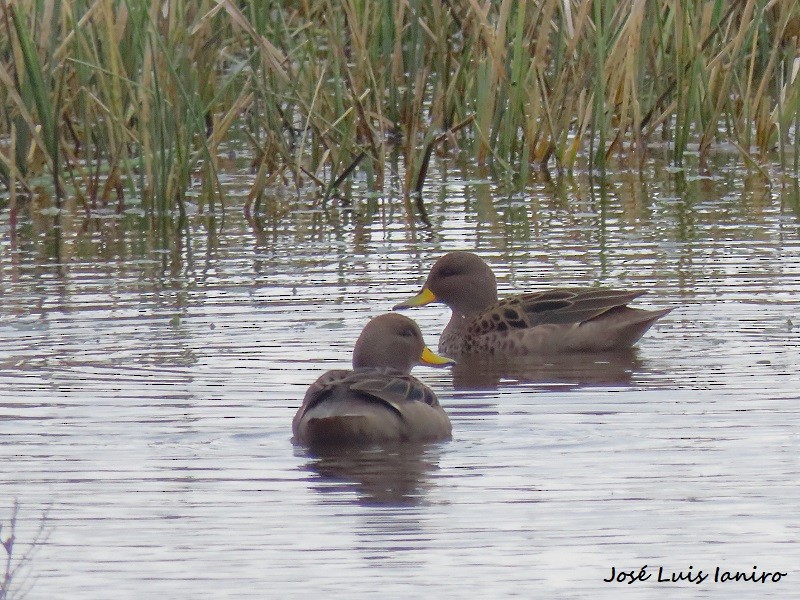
(130, 102)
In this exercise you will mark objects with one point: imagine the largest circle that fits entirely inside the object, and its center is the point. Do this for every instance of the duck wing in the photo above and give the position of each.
(560, 306)
(388, 387)
(321, 389)
(395, 389)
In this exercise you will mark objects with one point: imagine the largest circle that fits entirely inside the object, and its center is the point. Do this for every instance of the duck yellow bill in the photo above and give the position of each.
(424, 297)
(430, 358)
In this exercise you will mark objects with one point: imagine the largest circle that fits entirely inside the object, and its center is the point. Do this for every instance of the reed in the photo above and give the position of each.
(122, 103)
(16, 557)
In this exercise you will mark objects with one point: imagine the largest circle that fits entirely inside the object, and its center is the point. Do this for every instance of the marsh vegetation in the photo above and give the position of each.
(116, 103)
(18, 554)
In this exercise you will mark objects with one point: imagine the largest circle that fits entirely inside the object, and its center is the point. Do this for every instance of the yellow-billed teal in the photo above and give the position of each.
(553, 321)
(378, 400)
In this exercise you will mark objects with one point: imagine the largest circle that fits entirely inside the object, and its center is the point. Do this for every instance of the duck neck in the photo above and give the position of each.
(451, 340)
(481, 296)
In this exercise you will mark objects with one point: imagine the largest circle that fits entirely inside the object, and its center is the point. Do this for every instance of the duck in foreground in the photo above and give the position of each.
(548, 322)
(378, 401)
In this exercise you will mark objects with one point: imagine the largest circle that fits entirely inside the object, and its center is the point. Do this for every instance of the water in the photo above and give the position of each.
(146, 398)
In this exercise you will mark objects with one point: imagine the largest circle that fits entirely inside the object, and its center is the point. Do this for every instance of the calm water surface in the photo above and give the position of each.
(146, 398)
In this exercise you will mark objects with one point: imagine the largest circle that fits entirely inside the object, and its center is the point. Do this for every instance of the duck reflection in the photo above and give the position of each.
(570, 369)
(397, 474)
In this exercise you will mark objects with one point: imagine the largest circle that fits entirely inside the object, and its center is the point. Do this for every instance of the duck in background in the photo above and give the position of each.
(553, 321)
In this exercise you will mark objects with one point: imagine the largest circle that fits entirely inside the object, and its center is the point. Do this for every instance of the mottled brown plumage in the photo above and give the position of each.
(378, 400)
(547, 322)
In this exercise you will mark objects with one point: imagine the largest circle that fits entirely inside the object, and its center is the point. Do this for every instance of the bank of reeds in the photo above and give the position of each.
(111, 101)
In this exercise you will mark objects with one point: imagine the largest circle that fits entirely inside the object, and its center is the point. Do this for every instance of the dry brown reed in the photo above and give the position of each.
(116, 101)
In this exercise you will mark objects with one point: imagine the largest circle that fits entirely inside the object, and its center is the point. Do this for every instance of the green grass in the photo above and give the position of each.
(123, 102)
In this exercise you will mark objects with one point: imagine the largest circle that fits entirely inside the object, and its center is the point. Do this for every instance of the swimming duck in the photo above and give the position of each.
(553, 321)
(378, 400)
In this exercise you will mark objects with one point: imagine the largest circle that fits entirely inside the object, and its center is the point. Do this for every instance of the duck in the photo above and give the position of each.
(547, 322)
(378, 401)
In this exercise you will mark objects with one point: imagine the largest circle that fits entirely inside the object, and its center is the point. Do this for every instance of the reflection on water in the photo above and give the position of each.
(148, 378)
(391, 475)
(572, 369)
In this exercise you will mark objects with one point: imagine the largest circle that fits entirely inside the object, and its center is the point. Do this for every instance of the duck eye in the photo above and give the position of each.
(407, 332)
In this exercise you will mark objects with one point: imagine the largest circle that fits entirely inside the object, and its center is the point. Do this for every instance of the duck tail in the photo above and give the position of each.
(633, 323)
(338, 430)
